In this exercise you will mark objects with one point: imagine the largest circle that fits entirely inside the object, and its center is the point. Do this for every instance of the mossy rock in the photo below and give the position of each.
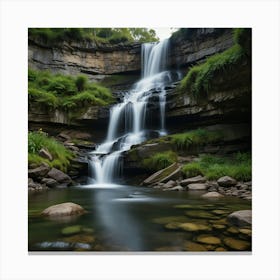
(208, 239)
(80, 238)
(71, 230)
(246, 231)
(194, 247)
(194, 227)
(236, 244)
(170, 219)
(220, 212)
(219, 222)
(218, 226)
(173, 225)
(233, 230)
(200, 214)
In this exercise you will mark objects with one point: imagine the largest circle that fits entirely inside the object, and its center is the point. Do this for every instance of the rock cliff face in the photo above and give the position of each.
(75, 58)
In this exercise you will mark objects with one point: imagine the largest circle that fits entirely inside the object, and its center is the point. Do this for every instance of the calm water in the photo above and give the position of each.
(126, 218)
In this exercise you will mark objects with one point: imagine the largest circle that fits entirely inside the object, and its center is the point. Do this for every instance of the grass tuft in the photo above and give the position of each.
(160, 160)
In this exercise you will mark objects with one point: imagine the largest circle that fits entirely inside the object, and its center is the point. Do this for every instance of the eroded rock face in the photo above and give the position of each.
(63, 209)
(76, 57)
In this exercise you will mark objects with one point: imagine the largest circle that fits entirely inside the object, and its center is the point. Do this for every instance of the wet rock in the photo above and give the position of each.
(71, 230)
(172, 225)
(236, 244)
(218, 227)
(201, 214)
(169, 184)
(245, 231)
(197, 187)
(63, 209)
(64, 136)
(169, 249)
(194, 227)
(176, 188)
(226, 181)
(44, 153)
(51, 183)
(193, 247)
(212, 195)
(232, 230)
(59, 176)
(220, 212)
(207, 239)
(38, 172)
(193, 180)
(220, 249)
(240, 218)
(170, 219)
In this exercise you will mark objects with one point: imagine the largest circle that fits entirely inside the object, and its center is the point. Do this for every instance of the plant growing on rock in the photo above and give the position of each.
(160, 160)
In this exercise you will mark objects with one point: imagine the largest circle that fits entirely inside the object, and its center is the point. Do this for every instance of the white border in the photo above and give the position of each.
(262, 16)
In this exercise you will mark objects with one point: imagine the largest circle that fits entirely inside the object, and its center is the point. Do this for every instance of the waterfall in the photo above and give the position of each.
(131, 113)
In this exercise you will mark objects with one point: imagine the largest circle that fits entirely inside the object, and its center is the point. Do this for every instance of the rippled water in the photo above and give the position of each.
(127, 218)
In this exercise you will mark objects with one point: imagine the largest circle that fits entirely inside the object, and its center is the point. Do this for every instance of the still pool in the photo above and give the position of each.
(127, 218)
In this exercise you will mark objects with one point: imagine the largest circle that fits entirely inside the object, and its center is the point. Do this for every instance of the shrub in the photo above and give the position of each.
(63, 85)
(195, 138)
(237, 166)
(160, 160)
(43, 97)
(81, 82)
(39, 140)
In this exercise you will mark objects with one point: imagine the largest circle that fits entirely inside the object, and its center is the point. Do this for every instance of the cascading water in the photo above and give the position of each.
(105, 161)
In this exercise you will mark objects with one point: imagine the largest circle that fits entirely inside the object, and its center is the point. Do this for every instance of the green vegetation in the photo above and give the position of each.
(197, 137)
(66, 92)
(160, 160)
(200, 78)
(213, 167)
(37, 141)
(97, 35)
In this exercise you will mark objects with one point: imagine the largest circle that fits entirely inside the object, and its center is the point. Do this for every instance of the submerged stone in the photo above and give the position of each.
(71, 230)
(194, 247)
(194, 227)
(207, 239)
(219, 227)
(220, 212)
(170, 219)
(200, 214)
(236, 244)
(63, 209)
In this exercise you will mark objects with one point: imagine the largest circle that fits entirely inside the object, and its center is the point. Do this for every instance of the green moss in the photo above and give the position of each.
(238, 166)
(199, 80)
(195, 138)
(66, 92)
(39, 140)
(160, 160)
(243, 37)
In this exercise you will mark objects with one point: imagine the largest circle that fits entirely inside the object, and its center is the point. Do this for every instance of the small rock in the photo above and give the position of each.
(212, 195)
(51, 183)
(193, 180)
(193, 247)
(236, 244)
(44, 153)
(71, 230)
(59, 176)
(197, 187)
(64, 209)
(226, 181)
(240, 218)
(64, 136)
(219, 227)
(212, 189)
(194, 227)
(39, 172)
(169, 184)
(176, 188)
(232, 230)
(220, 249)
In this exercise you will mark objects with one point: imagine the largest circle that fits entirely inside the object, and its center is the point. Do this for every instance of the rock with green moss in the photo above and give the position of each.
(208, 239)
(71, 230)
(235, 244)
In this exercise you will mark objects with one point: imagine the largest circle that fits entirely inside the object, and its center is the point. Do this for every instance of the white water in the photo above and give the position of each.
(127, 119)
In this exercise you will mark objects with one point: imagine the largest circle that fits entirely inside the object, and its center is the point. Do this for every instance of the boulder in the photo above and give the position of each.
(226, 181)
(44, 153)
(193, 180)
(169, 184)
(240, 218)
(39, 172)
(64, 136)
(212, 195)
(59, 176)
(197, 187)
(63, 209)
(51, 183)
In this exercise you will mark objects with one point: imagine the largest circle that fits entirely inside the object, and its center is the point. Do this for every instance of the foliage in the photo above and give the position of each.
(195, 138)
(200, 78)
(213, 167)
(38, 140)
(97, 35)
(243, 37)
(64, 91)
(160, 160)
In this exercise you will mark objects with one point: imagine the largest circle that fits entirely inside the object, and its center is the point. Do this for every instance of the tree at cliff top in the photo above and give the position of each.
(97, 35)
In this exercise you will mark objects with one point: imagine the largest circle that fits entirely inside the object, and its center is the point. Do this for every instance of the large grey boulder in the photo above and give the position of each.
(63, 209)
(226, 181)
(197, 187)
(59, 176)
(49, 182)
(38, 172)
(176, 188)
(240, 218)
(193, 180)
